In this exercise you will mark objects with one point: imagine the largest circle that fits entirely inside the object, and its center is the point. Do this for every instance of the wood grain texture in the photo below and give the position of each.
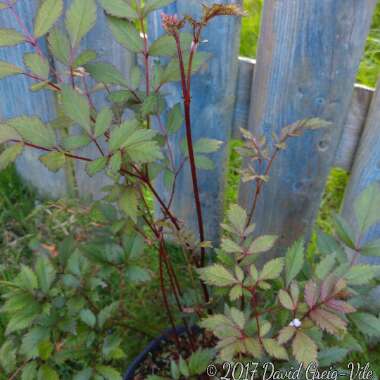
(308, 56)
(213, 102)
(17, 100)
(353, 125)
(366, 168)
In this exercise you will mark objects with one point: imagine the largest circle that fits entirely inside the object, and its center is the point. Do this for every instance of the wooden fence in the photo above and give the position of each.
(308, 56)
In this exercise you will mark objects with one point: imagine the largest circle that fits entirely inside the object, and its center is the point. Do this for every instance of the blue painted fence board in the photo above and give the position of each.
(366, 169)
(213, 90)
(308, 56)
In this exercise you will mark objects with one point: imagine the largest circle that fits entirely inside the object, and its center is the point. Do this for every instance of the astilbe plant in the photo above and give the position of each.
(67, 313)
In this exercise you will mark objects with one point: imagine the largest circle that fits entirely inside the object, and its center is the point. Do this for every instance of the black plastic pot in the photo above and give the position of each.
(154, 346)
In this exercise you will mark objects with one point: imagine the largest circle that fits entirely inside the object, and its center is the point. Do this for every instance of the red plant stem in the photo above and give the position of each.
(187, 103)
(51, 84)
(165, 299)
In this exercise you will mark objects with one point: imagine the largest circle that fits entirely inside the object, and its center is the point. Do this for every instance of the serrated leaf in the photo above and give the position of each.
(54, 161)
(37, 65)
(103, 121)
(71, 143)
(285, 300)
(126, 34)
(366, 207)
(119, 8)
(8, 353)
(135, 77)
(30, 341)
(328, 321)
(88, 317)
(199, 361)
(237, 217)
(47, 373)
(46, 273)
(107, 372)
(84, 57)
(294, 260)
(106, 73)
(33, 130)
(274, 349)
(204, 163)
(272, 269)
(8, 133)
(96, 166)
(165, 46)
(311, 293)
(304, 349)
(368, 324)
(22, 319)
(217, 275)
(80, 19)
(76, 107)
(361, 274)
(85, 374)
(370, 249)
(286, 334)
(325, 266)
(206, 145)
(10, 37)
(214, 322)
(115, 162)
(344, 231)
(59, 45)
(128, 202)
(230, 246)
(137, 275)
(107, 313)
(45, 349)
(340, 306)
(331, 356)
(29, 372)
(175, 119)
(9, 155)
(7, 69)
(47, 14)
(263, 244)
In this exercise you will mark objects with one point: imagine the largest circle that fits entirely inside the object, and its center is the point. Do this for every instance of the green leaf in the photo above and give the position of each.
(175, 119)
(48, 13)
(87, 317)
(368, 324)
(107, 313)
(7, 69)
(106, 73)
(152, 5)
(137, 275)
(76, 107)
(27, 278)
(103, 122)
(285, 300)
(366, 207)
(45, 273)
(47, 373)
(361, 274)
(135, 77)
(153, 105)
(129, 203)
(165, 46)
(126, 34)
(237, 217)
(45, 349)
(29, 372)
(272, 269)
(370, 249)
(115, 162)
(9, 155)
(80, 18)
(205, 145)
(120, 135)
(85, 57)
(59, 45)
(204, 163)
(54, 161)
(304, 349)
(344, 231)
(7, 134)
(331, 356)
(85, 374)
(107, 372)
(10, 37)
(30, 341)
(96, 166)
(33, 130)
(294, 260)
(119, 8)
(8, 353)
(71, 143)
(22, 319)
(263, 244)
(274, 349)
(37, 65)
(217, 275)
(141, 147)
(199, 361)
(325, 266)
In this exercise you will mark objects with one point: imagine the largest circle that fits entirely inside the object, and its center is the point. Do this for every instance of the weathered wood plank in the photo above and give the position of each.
(352, 129)
(366, 168)
(308, 56)
(212, 109)
(17, 100)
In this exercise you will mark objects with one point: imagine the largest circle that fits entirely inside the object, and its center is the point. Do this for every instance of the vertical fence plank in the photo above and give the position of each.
(308, 56)
(16, 99)
(212, 111)
(366, 168)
